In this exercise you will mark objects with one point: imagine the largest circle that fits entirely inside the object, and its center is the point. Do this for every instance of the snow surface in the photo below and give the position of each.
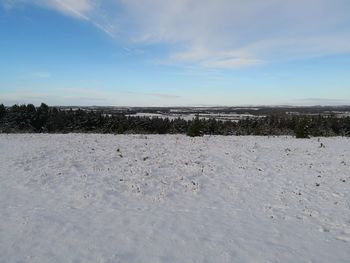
(137, 198)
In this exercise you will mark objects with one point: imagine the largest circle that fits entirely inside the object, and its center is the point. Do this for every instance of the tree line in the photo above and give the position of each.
(45, 119)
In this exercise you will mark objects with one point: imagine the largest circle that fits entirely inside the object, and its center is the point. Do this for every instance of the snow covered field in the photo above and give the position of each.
(136, 198)
(207, 116)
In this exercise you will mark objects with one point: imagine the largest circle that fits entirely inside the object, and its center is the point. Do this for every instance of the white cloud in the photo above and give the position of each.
(86, 96)
(37, 75)
(220, 33)
(158, 95)
(82, 9)
(323, 101)
(70, 7)
(217, 59)
(87, 10)
(232, 63)
(78, 8)
(236, 33)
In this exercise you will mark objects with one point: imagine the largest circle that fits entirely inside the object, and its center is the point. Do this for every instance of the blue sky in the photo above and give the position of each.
(175, 53)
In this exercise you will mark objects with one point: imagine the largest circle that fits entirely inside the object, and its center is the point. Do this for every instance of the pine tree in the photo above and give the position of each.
(195, 129)
(2, 110)
(302, 129)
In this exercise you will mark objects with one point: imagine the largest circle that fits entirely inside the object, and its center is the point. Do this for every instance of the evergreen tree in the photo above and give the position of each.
(302, 129)
(2, 111)
(195, 129)
(27, 118)
(41, 118)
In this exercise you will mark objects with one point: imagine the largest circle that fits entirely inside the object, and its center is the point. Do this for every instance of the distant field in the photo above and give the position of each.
(189, 116)
(172, 198)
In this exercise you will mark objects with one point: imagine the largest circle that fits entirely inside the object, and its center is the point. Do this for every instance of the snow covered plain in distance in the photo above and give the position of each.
(190, 116)
(171, 198)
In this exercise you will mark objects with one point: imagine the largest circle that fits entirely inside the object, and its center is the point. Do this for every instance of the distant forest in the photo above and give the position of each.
(45, 119)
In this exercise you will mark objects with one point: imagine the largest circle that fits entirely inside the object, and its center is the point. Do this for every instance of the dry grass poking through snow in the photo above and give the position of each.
(137, 198)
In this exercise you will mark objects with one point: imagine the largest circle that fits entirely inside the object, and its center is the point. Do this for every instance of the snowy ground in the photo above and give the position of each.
(106, 198)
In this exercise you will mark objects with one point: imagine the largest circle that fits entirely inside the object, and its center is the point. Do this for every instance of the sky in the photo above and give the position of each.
(175, 52)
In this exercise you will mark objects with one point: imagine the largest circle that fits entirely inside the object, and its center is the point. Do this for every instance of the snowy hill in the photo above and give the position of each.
(136, 198)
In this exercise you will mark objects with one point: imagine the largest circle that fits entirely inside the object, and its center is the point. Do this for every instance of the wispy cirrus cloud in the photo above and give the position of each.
(86, 10)
(82, 9)
(222, 33)
(37, 75)
(86, 96)
(323, 101)
(154, 94)
(164, 95)
(234, 34)
(77, 8)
